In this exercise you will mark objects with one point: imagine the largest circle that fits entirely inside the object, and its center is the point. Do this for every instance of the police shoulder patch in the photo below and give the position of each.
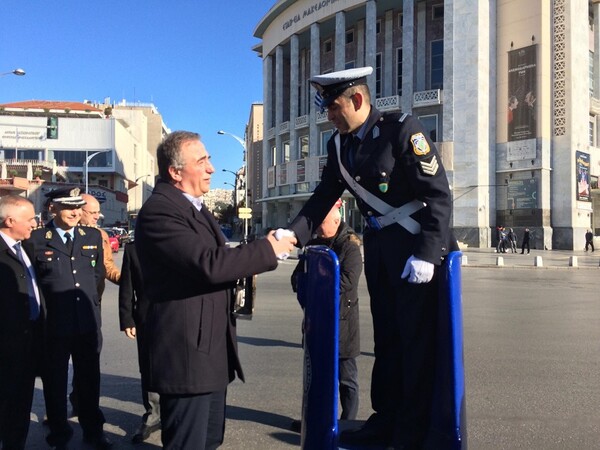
(419, 143)
(430, 167)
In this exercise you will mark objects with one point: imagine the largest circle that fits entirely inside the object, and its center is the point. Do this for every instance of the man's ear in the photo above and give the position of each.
(174, 172)
(357, 100)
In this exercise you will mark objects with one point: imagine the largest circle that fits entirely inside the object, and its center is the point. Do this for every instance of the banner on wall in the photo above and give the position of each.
(582, 166)
(521, 108)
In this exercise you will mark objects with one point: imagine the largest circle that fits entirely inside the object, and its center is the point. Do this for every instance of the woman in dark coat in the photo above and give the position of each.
(343, 240)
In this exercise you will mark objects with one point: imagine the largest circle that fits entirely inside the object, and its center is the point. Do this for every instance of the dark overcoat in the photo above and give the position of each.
(189, 274)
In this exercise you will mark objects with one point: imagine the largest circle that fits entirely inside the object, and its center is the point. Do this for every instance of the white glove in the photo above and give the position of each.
(282, 233)
(420, 271)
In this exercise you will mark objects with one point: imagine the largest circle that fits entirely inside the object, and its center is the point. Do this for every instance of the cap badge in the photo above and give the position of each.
(81, 232)
(419, 143)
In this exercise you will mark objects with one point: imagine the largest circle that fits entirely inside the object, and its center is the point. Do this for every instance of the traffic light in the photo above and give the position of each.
(52, 128)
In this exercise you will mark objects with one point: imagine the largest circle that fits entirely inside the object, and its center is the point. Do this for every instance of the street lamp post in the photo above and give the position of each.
(87, 163)
(135, 205)
(243, 144)
(18, 72)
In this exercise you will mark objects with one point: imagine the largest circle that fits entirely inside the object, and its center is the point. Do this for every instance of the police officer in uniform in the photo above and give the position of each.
(390, 165)
(69, 263)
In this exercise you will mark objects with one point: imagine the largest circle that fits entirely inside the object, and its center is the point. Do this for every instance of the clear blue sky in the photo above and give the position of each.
(191, 58)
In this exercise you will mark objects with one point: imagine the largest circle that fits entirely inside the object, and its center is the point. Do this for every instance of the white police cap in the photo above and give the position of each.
(331, 85)
(67, 197)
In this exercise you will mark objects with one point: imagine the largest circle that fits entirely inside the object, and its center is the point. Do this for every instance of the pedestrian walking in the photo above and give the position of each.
(525, 243)
(589, 240)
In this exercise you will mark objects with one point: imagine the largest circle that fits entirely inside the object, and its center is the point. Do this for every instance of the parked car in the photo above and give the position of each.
(113, 239)
(122, 235)
(131, 235)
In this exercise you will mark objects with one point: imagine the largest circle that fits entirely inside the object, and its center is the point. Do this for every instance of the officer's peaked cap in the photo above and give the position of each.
(332, 85)
(66, 196)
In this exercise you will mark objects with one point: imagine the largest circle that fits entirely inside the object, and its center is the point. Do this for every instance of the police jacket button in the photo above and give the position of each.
(74, 271)
(357, 178)
(77, 285)
(77, 298)
(369, 213)
(72, 258)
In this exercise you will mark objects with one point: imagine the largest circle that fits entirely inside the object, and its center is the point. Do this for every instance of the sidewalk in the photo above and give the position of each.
(546, 259)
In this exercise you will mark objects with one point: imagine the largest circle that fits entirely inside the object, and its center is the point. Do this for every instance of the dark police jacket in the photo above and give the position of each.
(398, 163)
(346, 245)
(69, 282)
(189, 275)
(14, 305)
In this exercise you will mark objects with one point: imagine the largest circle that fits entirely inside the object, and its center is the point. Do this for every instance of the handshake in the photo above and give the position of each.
(283, 242)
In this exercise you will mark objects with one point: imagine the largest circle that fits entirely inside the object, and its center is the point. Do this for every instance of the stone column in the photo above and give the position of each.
(388, 56)
(315, 69)
(278, 101)
(408, 55)
(294, 83)
(370, 44)
(340, 41)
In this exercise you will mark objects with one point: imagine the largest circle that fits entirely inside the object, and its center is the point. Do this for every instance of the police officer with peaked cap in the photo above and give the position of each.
(391, 166)
(69, 263)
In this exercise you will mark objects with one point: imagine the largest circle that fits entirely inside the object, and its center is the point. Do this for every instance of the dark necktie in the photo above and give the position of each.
(352, 144)
(34, 307)
(69, 242)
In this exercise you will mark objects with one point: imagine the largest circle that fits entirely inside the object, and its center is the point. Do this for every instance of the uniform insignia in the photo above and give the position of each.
(383, 182)
(383, 187)
(90, 247)
(375, 132)
(419, 143)
(48, 252)
(48, 234)
(431, 167)
(81, 232)
(93, 263)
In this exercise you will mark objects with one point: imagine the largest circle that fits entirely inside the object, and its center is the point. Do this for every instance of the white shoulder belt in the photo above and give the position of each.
(389, 214)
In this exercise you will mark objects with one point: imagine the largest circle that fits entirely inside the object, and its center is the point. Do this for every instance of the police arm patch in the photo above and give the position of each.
(420, 145)
(430, 167)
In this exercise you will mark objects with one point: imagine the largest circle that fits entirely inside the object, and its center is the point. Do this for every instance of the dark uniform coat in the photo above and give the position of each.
(189, 276)
(346, 245)
(398, 163)
(70, 283)
(21, 342)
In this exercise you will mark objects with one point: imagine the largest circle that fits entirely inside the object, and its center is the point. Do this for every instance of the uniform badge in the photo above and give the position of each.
(375, 132)
(431, 167)
(48, 234)
(383, 182)
(93, 263)
(81, 232)
(420, 145)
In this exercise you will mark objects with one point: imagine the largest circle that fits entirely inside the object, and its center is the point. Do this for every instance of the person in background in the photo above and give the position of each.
(525, 241)
(133, 308)
(391, 166)
(189, 278)
(511, 240)
(343, 240)
(22, 317)
(69, 263)
(589, 240)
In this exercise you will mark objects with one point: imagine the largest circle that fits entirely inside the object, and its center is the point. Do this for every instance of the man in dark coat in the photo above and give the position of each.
(22, 315)
(133, 309)
(342, 239)
(189, 278)
(390, 165)
(70, 268)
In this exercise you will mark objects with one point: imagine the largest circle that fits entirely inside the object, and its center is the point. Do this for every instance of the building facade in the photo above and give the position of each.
(500, 86)
(47, 144)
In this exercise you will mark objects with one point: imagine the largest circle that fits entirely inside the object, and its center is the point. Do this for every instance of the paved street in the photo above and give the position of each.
(531, 350)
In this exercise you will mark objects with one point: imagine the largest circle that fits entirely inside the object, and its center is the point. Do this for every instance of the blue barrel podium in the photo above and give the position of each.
(318, 294)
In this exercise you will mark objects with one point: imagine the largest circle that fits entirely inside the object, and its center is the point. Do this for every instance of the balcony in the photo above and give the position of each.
(388, 103)
(284, 127)
(427, 98)
(301, 122)
(594, 106)
(271, 133)
(321, 117)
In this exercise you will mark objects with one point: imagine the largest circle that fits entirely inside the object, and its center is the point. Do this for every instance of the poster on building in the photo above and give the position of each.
(582, 166)
(521, 101)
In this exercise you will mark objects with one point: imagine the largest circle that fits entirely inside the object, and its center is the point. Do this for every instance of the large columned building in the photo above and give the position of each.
(509, 91)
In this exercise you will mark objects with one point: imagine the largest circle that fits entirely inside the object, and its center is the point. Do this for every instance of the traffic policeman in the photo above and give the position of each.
(391, 166)
(70, 267)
